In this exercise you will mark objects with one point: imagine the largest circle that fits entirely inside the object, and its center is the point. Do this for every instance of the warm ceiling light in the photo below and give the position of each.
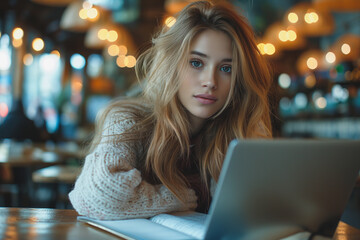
(345, 49)
(269, 49)
(87, 5)
(315, 17)
(311, 17)
(291, 35)
(312, 63)
(17, 33)
(170, 21)
(113, 50)
(120, 61)
(283, 36)
(123, 50)
(261, 48)
(330, 57)
(75, 17)
(38, 44)
(83, 13)
(112, 36)
(93, 14)
(131, 61)
(293, 17)
(102, 34)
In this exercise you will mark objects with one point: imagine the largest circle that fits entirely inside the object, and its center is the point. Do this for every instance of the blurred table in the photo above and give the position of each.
(18, 160)
(56, 174)
(44, 223)
(27, 154)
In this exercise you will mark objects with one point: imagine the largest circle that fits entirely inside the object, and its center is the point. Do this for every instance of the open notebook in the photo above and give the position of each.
(268, 189)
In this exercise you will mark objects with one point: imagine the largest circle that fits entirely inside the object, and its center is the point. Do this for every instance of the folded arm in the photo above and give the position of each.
(109, 187)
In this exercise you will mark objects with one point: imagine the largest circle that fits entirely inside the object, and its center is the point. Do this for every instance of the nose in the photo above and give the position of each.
(209, 80)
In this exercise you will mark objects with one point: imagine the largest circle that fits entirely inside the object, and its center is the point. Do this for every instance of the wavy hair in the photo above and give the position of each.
(164, 126)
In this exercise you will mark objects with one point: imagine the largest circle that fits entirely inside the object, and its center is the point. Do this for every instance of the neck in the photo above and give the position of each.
(196, 125)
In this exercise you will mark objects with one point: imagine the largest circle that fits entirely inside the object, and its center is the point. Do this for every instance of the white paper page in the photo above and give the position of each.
(139, 229)
(191, 223)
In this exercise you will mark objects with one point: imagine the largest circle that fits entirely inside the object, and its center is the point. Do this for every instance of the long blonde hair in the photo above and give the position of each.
(163, 126)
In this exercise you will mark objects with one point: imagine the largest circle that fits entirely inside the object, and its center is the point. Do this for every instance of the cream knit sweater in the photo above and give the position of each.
(110, 187)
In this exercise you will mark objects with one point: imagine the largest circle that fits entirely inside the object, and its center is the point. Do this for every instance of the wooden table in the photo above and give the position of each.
(54, 224)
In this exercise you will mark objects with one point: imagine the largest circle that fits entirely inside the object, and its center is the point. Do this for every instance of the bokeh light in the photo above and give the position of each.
(330, 57)
(293, 17)
(77, 61)
(312, 63)
(38, 44)
(284, 80)
(345, 49)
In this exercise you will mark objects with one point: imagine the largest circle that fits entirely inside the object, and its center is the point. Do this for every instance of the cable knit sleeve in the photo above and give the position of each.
(109, 187)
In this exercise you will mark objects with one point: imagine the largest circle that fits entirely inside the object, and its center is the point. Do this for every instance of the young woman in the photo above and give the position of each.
(205, 83)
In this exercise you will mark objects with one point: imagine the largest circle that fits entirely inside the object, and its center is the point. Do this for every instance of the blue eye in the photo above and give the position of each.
(226, 69)
(196, 63)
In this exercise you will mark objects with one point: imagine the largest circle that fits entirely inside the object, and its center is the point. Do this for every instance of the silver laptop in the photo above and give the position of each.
(267, 190)
(269, 187)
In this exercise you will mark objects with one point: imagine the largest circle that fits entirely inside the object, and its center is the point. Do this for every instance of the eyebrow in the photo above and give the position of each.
(206, 56)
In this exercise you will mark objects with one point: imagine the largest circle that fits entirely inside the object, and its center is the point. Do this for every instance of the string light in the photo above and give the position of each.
(283, 36)
(102, 34)
(38, 44)
(120, 61)
(113, 50)
(312, 63)
(112, 36)
(345, 49)
(131, 61)
(266, 48)
(293, 17)
(93, 14)
(269, 49)
(311, 17)
(88, 12)
(289, 35)
(330, 57)
(260, 46)
(87, 5)
(170, 21)
(18, 33)
(123, 50)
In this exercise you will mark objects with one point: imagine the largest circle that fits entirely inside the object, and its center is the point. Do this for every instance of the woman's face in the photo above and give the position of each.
(205, 83)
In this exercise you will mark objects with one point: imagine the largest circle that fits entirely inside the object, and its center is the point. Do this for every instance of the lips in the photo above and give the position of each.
(205, 98)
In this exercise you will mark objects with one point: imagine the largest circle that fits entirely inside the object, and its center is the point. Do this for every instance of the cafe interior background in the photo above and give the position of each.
(61, 61)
